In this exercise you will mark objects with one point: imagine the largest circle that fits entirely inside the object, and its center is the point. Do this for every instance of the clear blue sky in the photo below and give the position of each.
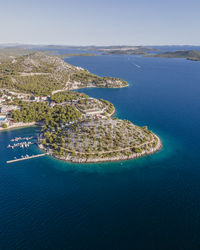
(102, 22)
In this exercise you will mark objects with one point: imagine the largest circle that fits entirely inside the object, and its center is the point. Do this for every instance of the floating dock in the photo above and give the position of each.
(27, 158)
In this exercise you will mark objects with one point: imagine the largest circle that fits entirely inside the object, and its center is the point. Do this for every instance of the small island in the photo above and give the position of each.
(36, 89)
(193, 55)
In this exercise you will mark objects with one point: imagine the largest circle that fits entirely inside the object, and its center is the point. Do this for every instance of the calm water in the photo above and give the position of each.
(149, 203)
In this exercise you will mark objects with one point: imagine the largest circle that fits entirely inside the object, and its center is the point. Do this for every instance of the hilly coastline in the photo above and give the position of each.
(36, 90)
(40, 74)
(193, 55)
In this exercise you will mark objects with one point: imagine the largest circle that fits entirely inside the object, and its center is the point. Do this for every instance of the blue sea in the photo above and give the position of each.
(151, 203)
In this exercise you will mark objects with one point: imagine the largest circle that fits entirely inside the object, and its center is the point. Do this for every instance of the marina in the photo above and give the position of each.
(22, 138)
(25, 142)
(21, 145)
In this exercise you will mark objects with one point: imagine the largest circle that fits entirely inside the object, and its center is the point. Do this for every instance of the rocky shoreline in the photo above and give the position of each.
(74, 159)
(86, 87)
(97, 137)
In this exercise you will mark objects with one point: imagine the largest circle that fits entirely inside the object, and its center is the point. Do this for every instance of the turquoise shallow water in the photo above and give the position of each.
(147, 203)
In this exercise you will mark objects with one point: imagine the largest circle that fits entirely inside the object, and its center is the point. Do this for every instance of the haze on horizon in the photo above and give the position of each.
(105, 22)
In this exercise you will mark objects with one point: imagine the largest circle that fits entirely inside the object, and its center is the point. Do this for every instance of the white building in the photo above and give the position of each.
(43, 98)
(37, 98)
(4, 109)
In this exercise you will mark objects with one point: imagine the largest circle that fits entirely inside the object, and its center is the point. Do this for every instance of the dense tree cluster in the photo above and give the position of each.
(38, 84)
(6, 81)
(67, 96)
(42, 112)
(30, 113)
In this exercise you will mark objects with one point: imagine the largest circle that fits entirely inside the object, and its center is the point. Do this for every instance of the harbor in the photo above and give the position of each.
(22, 138)
(23, 142)
(21, 145)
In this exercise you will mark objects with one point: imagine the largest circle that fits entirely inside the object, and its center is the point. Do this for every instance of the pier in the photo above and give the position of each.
(27, 157)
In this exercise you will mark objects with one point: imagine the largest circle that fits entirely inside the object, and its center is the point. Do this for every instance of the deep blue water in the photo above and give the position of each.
(149, 203)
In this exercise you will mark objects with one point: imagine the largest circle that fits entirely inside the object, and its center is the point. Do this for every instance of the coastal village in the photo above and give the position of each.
(39, 90)
(7, 100)
(89, 107)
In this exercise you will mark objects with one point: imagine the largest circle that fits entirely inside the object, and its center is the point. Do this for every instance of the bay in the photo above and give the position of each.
(148, 203)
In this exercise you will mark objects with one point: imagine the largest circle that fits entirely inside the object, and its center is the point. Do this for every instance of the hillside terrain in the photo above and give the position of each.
(40, 74)
(35, 89)
(93, 140)
(7, 54)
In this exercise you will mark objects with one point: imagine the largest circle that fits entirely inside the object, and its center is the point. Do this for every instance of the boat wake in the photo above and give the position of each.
(136, 65)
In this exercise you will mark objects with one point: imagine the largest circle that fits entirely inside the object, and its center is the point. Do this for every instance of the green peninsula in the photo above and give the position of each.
(94, 140)
(40, 74)
(35, 89)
